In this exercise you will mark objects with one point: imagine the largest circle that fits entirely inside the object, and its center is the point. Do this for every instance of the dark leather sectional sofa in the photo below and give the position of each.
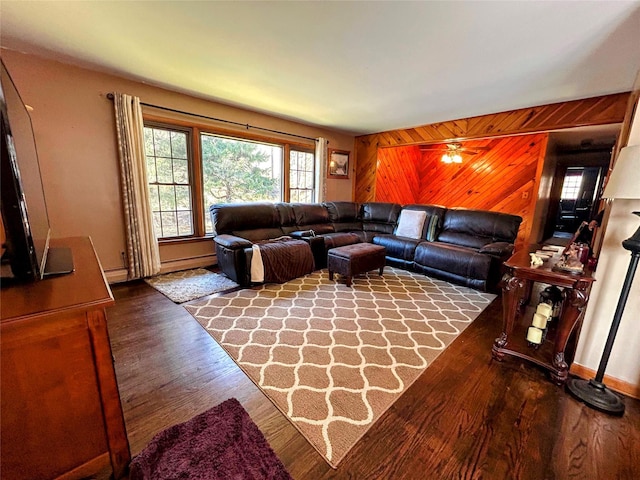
(466, 247)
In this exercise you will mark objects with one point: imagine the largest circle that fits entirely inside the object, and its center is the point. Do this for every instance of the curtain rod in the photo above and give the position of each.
(245, 125)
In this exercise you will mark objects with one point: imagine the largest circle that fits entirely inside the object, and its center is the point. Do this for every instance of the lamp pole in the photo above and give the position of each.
(594, 392)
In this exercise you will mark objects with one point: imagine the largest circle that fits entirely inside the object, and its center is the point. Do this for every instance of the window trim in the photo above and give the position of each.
(190, 165)
(288, 165)
(195, 163)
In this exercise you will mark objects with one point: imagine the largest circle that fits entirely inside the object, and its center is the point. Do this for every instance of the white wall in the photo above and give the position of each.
(613, 263)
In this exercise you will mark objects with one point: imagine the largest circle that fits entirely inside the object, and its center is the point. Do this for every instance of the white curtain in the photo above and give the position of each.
(321, 169)
(143, 255)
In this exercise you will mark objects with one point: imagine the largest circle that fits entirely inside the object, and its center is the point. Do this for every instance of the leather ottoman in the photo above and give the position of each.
(352, 260)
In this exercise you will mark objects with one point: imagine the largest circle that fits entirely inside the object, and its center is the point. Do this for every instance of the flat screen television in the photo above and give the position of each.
(22, 203)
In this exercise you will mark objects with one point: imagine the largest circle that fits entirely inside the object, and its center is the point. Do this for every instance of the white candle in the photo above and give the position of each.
(534, 335)
(540, 321)
(545, 309)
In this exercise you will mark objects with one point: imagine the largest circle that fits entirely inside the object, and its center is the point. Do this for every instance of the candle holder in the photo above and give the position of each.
(535, 337)
(553, 296)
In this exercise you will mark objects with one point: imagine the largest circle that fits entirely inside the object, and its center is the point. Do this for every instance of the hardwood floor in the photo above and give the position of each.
(466, 417)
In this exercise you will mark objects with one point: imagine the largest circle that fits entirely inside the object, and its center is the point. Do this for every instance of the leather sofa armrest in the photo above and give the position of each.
(303, 234)
(498, 249)
(232, 242)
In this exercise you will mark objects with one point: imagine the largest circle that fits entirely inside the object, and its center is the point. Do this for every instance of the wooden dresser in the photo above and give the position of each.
(61, 415)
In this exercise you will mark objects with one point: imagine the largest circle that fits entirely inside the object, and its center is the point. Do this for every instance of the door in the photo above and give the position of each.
(579, 196)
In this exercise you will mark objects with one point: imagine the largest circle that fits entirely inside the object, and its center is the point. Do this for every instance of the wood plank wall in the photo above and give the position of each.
(398, 175)
(591, 111)
(503, 178)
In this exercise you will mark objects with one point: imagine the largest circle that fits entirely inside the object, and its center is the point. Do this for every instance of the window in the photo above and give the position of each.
(189, 170)
(235, 170)
(571, 185)
(301, 176)
(167, 156)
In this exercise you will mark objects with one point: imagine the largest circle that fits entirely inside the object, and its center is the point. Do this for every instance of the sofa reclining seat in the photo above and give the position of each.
(470, 248)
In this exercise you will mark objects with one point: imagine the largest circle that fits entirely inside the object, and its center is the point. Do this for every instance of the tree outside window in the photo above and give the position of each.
(239, 171)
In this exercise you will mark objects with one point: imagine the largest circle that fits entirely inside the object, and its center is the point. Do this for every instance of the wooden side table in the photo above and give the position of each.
(517, 284)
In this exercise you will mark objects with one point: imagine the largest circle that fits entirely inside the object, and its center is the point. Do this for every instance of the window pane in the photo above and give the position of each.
(162, 143)
(167, 197)
(181, 172)
(301, 176)
(169, 182)
(178, 145)
(208, 226)
(157, 223)
(183, 198)
(169, 224)
(151, 170)
(154, 199)
(185, 225)
(164, 169)
(308, 180)
(148, 142)
(571, 186)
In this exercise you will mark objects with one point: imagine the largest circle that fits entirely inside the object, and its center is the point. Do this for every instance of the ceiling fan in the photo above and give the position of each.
(453, 152)
(455, 148)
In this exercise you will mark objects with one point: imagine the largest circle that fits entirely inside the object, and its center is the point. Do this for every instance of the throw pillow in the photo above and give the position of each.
(411, 223)
(432, 228)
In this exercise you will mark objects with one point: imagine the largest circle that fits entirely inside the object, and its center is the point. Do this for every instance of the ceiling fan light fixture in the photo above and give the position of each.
(456, 158)
(446, 158)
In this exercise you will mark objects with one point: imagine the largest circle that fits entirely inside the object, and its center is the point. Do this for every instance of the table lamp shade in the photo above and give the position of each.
(624, 181)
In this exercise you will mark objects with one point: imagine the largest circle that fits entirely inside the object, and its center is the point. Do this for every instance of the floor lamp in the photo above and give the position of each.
(624, 182)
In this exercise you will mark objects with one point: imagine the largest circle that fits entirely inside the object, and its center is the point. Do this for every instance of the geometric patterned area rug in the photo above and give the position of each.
(331, 358)
(190, 284)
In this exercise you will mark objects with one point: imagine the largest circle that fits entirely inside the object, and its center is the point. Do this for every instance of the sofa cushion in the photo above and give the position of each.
(380, 217)
(431, 229)
(237, 217)
(498, 249)
(380, 212)
(310, 214)
(340, 239)
(344, 216)
(343, 211)
(287, 217)
(492, 226)
(455, 259)
(463, 239)
(402, 248)
(259, 234)
(411, 223)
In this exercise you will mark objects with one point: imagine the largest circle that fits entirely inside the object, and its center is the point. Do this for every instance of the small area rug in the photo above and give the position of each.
(222, 443)
(190, 284)
(333, 359)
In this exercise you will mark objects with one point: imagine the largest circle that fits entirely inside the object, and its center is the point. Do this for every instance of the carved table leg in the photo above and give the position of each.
(512, 289)
(575, 299)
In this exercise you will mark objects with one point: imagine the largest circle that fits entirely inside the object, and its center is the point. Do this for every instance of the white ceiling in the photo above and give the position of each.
(360, 67)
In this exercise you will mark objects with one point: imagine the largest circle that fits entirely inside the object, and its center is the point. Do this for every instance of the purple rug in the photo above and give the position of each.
(222, 443)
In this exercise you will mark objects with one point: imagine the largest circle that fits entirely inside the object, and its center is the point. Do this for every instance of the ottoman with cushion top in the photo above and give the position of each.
(352, 260)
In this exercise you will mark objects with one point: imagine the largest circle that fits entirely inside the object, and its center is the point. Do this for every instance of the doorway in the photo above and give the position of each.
(576, 165)
(579, 198)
